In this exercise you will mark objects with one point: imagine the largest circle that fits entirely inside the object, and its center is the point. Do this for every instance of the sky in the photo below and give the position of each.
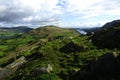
(63, 13)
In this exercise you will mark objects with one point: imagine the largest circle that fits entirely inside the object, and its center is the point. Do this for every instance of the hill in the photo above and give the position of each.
(108, 36)
(115, 23)
(52, 53)
(12, 32)
(53, 31)
(40, 46)
(15, 29)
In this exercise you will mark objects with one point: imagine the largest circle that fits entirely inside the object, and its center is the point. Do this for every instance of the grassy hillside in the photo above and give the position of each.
(12, 32)
(23, 42)
(65, 50)
(53, 31)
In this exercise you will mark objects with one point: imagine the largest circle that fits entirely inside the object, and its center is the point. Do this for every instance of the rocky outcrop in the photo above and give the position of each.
(72, 47)
(106, 67)
(45, 69)
(108, 36)
(11, 68)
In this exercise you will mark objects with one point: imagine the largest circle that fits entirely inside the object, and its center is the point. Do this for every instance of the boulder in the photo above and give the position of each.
(104, 65)
(11, 68)
(16, 64)
(1, 72)
(117, 67)
(45, 69)
(101, 69)
(72, 47)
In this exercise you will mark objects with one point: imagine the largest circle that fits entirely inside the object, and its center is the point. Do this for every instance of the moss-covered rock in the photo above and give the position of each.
(72, 47)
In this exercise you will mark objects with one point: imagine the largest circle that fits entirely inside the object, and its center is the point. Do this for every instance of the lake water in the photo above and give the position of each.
(81, 31)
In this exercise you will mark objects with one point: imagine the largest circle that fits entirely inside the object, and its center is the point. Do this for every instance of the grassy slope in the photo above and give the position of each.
(64, 64)
(19, 44)
(52, 31)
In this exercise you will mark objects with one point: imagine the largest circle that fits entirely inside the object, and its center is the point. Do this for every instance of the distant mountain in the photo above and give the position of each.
(108, 36)
(12, 32)
(16, 29)
(94, 29)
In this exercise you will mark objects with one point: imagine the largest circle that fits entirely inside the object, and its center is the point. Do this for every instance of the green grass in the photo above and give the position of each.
(3, 47)
(48, 52)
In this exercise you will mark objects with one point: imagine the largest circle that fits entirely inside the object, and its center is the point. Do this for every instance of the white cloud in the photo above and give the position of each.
(91, 8)
(42, 12)
(92, 12)
(2, 8)
(29, 11)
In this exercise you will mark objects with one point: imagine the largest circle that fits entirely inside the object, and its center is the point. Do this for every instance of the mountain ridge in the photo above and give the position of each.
(16, 29)
(108, 36)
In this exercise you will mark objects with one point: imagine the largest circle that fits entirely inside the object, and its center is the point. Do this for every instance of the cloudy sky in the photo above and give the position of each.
(65, 13)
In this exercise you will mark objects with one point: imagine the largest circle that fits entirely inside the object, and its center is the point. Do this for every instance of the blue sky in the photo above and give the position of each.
(64, 13)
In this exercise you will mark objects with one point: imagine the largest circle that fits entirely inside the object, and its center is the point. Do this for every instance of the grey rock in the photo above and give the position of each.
(47, 69)
(11, 68)
(104, 65)
(72, 47)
